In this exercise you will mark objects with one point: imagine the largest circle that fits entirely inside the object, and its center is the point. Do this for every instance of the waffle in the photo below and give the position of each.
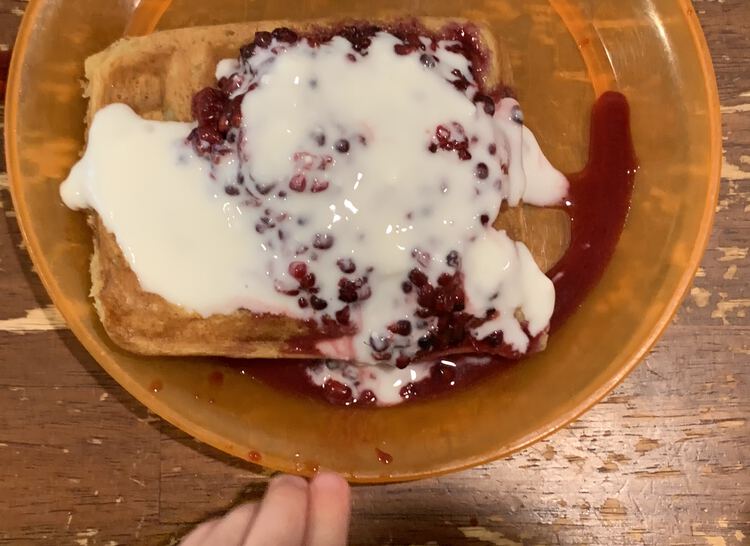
(157, 75)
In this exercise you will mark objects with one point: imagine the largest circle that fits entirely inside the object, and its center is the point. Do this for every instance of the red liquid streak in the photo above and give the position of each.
(383, 457)
(598, 204)
(4, 67)
(216, 378)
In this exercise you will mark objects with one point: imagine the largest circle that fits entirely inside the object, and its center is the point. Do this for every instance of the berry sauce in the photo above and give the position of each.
(598, 203)
(332, 279)
(4, 67)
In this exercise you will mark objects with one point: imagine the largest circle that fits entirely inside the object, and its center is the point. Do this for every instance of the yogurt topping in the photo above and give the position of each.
(357, 188)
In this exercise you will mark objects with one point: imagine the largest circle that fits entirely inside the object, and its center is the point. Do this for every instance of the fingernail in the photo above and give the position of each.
(329, 480)
(287, 480)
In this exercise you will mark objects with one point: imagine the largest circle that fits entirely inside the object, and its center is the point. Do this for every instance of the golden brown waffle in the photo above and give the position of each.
(157, 75)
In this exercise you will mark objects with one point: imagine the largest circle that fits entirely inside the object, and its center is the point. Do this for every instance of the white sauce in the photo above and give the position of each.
(180, 233)
(198, 247)
(506, 270)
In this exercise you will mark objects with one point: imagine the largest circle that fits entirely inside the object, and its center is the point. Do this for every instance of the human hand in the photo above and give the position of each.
(293, 512)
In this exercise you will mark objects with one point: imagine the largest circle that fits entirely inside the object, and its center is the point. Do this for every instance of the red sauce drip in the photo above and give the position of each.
(598, 203)
(254, 457)
(4, 67)
(216, 378)
(383, 457)
(156, 385)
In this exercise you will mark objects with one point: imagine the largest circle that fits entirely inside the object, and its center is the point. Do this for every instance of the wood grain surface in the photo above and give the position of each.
(664, 460)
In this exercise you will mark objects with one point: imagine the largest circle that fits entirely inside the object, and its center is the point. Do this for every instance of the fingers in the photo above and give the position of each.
(230, 530)
(292, 513)
(328, 511)
(281, 516)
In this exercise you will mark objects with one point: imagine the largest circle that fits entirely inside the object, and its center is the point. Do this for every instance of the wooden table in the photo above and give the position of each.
(665, 459)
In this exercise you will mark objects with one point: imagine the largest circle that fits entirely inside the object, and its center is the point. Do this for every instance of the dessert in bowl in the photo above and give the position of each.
(341, 181)
(504, 406)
